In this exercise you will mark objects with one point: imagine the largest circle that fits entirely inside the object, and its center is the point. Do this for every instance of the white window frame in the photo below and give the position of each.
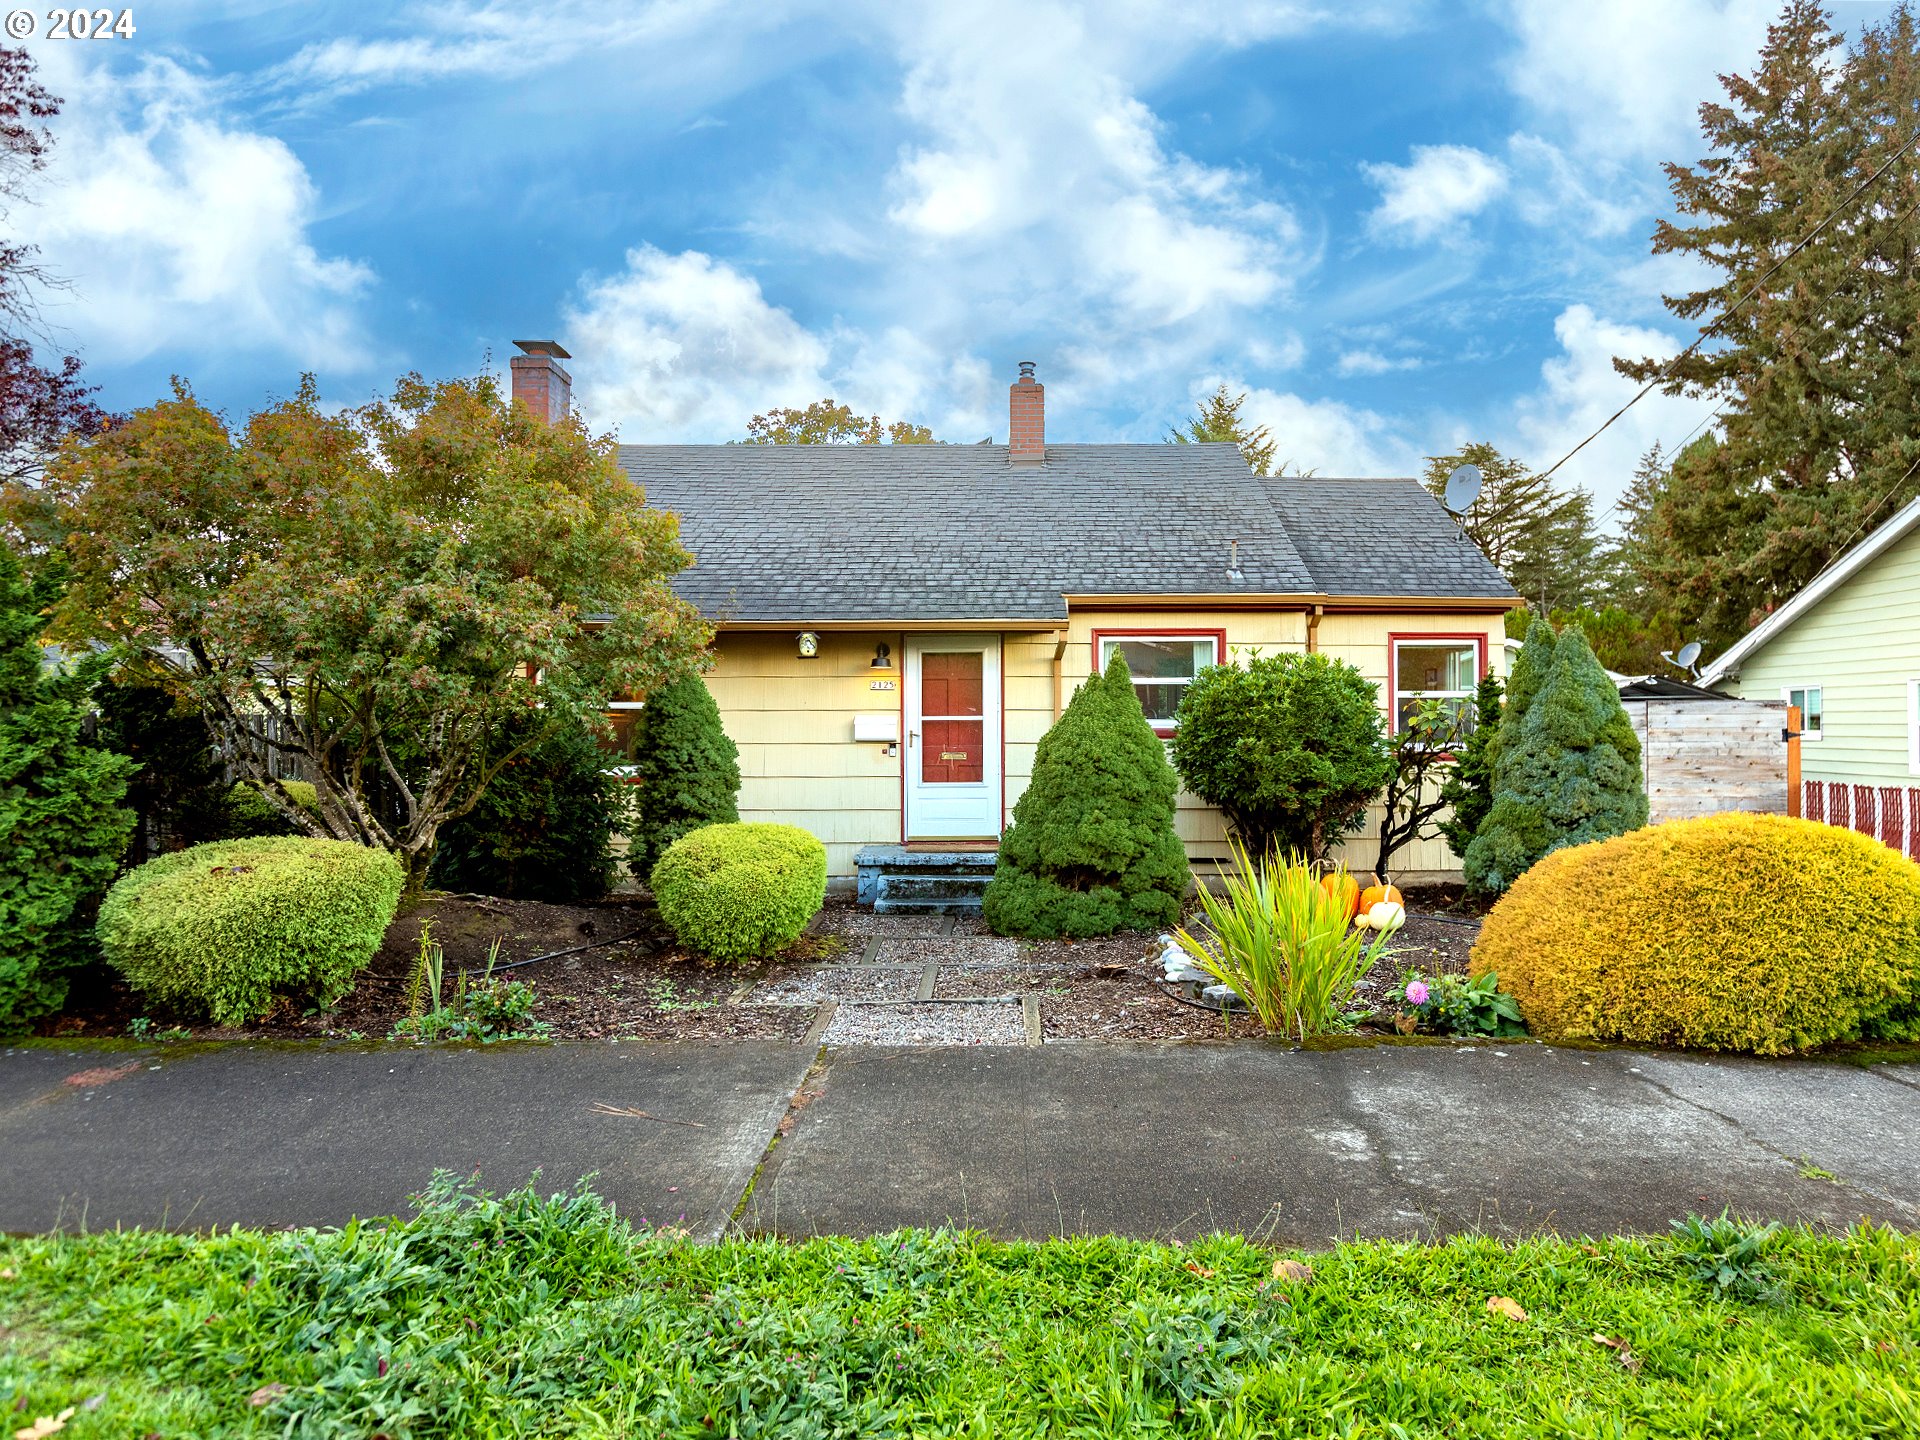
(1814, 736)
(1913, 727)
(1102, 655)
(1434, 642)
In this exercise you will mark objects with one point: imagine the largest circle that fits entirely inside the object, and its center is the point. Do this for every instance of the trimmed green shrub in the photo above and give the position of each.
(543, 828)
(1291, 748)
(1567, 773)
(738, 892)
(688, 770)
(230, 927)
(62, 826)
(1092, 848)
(1468, 788)
(1731, 932)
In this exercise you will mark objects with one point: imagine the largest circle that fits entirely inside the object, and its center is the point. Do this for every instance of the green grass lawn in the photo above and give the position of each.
(525, 1315)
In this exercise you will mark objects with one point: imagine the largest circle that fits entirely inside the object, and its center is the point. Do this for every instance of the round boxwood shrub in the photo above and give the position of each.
(229, 927)
(740, 891)
(1732, 932)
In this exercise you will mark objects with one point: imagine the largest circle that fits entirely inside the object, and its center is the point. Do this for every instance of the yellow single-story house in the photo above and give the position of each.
(898, 625)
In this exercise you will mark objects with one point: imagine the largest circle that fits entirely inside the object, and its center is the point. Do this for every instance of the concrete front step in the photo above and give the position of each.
(941, 882)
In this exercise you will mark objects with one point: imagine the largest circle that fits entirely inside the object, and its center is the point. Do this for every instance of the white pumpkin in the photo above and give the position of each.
(1386, 916)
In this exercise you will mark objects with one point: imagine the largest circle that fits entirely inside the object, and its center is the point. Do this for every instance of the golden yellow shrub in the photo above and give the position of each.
(1730, 932)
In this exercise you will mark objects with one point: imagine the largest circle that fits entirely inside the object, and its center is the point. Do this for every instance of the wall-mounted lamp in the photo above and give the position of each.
(809, 644)
(882, 657)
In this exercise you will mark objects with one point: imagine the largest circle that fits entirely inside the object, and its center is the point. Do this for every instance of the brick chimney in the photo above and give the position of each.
(540, 381)
(1026, 419)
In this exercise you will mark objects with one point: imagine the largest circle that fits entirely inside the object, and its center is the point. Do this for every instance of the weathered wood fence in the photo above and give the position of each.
(1889, 813)
(1705, 756)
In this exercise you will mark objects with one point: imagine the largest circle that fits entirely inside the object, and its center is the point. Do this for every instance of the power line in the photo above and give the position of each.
(1727, 315)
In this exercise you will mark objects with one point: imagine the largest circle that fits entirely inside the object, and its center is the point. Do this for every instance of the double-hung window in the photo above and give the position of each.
(1162, 665)
(1430, 668)
(1808, 698)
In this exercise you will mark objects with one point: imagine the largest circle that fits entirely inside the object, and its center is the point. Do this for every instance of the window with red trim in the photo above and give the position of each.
(1427, 669)
(1162, 667)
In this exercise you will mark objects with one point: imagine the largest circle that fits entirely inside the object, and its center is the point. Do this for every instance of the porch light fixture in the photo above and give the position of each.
(809, 644)
(882, 657)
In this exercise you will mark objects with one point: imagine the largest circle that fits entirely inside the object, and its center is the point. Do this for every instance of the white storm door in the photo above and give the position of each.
(952, 758)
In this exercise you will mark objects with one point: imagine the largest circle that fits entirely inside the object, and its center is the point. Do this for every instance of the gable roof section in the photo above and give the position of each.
(1811, 594)
(1382, 538)
(822, 533)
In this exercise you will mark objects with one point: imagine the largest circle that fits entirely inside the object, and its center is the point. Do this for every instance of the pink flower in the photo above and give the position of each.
(1416, 992)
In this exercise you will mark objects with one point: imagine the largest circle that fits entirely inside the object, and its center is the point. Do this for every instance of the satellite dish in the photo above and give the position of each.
(1686, 659)
(1463, 488)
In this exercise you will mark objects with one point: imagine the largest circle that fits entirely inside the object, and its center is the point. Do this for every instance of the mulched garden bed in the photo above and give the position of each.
(626, 979)
(639, 986)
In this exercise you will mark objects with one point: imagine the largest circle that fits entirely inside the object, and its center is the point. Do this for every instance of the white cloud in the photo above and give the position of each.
(181, 229)
(1372, 362)
(1625, 78)
(1579, 389)
(1325, 437)
(1440, 187)
(1036, 148)
(685, 347)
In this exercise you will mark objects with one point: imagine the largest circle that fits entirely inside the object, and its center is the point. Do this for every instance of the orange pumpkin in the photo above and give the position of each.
(1344, 888)
(1374, 894)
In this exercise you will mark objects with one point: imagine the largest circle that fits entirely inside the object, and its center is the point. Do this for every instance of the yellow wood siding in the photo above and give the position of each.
(800, 765)
(1861, 646)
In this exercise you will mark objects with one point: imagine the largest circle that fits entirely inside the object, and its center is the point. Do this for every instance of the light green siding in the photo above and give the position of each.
(1861, 645)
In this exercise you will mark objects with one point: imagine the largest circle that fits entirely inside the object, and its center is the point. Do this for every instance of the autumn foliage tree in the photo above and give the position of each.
(828, 422)
(350, 587)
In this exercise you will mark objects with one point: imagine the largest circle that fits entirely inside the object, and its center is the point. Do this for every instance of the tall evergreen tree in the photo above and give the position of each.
(62, 826)
(1468, 788)
(1569, 773)
(1819, 435)
(1541, 538)
(1092, 847)
(1219, 419)
(687, 768)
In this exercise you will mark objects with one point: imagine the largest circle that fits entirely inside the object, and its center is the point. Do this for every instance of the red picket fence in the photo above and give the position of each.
(1889, 813)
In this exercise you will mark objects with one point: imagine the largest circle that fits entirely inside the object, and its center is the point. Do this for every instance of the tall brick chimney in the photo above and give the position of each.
(1026, 419)
(540, 381)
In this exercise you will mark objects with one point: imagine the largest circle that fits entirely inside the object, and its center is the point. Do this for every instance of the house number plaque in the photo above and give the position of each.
(881, 685)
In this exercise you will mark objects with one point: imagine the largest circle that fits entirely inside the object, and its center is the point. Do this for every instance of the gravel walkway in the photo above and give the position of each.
(984, 1022)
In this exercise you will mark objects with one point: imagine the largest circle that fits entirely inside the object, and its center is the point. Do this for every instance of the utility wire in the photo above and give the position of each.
(1727, 314)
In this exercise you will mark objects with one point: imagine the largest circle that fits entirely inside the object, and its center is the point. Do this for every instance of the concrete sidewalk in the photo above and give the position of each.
(1176, 1140)
(1154, 1140)
(300, 1134)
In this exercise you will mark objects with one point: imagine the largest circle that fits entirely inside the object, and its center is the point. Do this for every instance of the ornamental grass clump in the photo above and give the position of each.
(1280, 940)
(232, 927)
(743, 891)
(1754, 933)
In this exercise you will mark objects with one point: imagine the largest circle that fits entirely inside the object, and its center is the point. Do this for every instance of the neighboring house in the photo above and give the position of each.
(898, 625)
(1846, 650)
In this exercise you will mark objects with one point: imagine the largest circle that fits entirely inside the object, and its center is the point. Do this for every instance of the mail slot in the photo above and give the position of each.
(953, 754)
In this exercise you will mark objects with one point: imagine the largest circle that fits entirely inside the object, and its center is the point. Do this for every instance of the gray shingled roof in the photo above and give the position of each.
(1382, 537)
(953, 532)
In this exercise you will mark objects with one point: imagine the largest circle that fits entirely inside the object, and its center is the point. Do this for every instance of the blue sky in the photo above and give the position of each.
(1396, 226)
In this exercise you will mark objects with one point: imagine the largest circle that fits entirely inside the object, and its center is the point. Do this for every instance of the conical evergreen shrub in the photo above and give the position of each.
(1092, 848)
(1521, 831)
(688, 771)
(1468, 788)
(1570, 775)
(62, 826)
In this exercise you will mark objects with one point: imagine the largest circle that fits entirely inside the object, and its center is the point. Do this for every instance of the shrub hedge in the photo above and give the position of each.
(741, 891)
(1732, 932)
(230, 927)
